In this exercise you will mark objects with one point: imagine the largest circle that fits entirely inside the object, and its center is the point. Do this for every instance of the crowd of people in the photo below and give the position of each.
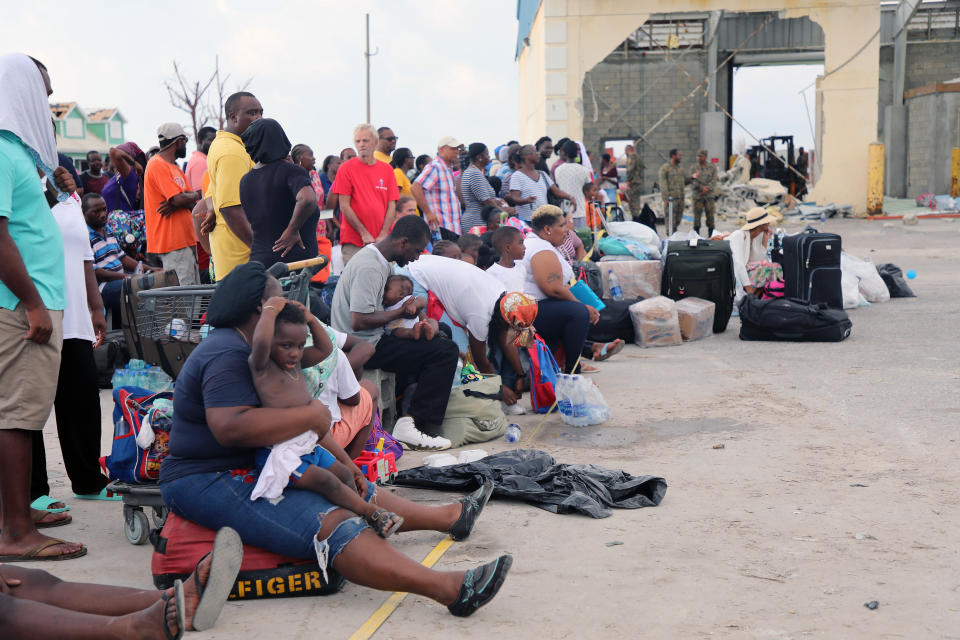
(438, 260)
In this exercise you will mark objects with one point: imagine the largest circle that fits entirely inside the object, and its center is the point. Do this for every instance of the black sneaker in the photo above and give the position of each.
(473, 504)
(480, 585)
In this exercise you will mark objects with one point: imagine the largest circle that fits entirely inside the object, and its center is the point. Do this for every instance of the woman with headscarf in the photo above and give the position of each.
(123, 194)
(210, 473)
(277, 197)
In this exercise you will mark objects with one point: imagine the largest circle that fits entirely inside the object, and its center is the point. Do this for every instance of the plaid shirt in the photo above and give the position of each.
(441, 193)
(106, 252)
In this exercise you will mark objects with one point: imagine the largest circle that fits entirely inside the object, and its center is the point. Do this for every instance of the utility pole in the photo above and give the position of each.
(368, 54)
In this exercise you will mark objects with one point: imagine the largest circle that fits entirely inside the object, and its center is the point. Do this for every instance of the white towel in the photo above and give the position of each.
(283, 459)
(24, 111)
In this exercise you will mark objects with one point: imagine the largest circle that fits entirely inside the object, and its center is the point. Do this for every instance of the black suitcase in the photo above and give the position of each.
(784, 319)
(111, 355)
(701, 270)
(811, 268)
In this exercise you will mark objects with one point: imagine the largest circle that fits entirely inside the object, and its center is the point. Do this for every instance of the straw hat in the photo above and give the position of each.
(756, 217)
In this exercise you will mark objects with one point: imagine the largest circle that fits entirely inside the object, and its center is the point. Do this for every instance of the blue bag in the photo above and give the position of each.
(127, 462)
(543, 376)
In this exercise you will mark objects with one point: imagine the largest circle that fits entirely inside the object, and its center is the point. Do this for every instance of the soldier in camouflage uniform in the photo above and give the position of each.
(704, 191)
(673, 178)
(635, 169)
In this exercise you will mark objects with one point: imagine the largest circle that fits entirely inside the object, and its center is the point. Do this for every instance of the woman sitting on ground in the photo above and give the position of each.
(562, 319)
(210, 473)
(748, 244)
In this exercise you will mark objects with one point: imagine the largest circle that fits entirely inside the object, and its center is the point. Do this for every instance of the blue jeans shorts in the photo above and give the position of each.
(289, 527)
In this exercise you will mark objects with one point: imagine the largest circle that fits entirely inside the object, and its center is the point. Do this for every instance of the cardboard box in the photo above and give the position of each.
(655, 322)
(638, 278)
(696, 318)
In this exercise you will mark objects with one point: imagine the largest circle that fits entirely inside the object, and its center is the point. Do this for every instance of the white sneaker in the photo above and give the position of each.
(512, 409)
(412, 438)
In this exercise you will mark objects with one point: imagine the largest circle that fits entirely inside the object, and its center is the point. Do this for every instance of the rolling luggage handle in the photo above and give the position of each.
(281, 269)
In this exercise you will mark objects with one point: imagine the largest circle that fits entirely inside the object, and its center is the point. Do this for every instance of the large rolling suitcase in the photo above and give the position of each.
(811, 268)
(701, 269)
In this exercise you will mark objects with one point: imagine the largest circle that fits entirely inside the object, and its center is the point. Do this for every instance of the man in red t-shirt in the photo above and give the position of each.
(368, 193)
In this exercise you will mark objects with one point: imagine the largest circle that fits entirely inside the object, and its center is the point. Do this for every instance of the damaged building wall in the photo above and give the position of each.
(932, 132)
(591, 29)
(628, 92)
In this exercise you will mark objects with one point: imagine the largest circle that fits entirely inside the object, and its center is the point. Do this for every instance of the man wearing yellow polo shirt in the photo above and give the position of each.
(227, 162)
(385, 145)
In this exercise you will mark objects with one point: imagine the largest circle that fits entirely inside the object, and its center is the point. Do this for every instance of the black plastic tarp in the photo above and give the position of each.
(536, 478)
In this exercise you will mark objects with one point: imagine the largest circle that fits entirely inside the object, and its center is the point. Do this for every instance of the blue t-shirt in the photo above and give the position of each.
(215, 375)
(31, 225)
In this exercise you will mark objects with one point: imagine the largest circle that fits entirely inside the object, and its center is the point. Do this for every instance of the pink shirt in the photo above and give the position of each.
(196, 167)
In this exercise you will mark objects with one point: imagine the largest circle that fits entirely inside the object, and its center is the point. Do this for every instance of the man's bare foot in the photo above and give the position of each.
(149, 623)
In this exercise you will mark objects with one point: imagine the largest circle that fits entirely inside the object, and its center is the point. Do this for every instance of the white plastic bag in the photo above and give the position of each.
(869, 282)
(580, 402)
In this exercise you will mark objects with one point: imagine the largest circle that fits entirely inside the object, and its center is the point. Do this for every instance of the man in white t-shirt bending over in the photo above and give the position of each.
(471, 297)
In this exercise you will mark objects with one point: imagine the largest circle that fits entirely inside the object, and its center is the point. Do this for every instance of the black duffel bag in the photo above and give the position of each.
(787, 319)
(614, 322)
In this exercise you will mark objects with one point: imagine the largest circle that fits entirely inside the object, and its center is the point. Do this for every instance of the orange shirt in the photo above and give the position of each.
(163, 180)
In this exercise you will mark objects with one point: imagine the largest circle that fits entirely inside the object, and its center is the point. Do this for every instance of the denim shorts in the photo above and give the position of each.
(289, 527)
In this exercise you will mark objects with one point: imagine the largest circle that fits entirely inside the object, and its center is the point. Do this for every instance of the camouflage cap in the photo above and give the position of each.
(702, 152)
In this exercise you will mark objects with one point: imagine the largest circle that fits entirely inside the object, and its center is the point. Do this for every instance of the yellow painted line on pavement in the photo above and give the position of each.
(368, 628)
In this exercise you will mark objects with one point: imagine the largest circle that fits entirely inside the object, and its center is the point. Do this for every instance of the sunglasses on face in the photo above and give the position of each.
(391, 139)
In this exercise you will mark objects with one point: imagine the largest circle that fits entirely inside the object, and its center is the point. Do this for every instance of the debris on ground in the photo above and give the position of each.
(613, 543)
(873, 604)
(720, 446)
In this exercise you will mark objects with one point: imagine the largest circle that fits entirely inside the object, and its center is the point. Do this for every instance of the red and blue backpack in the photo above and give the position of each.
(127, 462)
(543, 376)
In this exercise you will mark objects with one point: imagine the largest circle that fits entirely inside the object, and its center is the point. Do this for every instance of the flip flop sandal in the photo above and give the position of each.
(177, 599)
(43, 504)
(608, 351)
(36, 516)
(33, 555)
(103, 495)
(586, 368)
(227, 556)
(380, 521)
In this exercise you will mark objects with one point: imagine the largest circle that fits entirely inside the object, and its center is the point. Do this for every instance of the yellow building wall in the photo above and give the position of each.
(569, 37)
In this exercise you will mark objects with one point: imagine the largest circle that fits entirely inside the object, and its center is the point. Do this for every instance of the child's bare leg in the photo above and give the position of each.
(341, 492)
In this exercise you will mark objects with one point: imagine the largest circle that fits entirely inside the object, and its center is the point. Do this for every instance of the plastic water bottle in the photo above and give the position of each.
(616, 291)
(513, 433)
(562, 390)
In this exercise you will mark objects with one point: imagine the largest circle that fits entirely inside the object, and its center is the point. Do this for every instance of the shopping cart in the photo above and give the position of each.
(169, 323)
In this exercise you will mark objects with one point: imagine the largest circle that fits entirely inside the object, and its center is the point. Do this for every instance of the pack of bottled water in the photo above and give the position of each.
(137, 373)
(579, 401)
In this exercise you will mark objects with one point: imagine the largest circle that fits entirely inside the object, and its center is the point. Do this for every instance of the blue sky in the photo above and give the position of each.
(444, 67)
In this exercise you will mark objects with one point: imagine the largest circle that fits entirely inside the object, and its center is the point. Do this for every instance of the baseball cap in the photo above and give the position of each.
(168, 132)
(448, 141)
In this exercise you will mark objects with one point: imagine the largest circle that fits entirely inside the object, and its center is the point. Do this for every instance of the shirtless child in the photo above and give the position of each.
(278, 354)
(395, 293)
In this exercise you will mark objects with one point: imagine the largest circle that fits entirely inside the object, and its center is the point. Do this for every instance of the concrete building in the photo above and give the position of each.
(605, 70)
